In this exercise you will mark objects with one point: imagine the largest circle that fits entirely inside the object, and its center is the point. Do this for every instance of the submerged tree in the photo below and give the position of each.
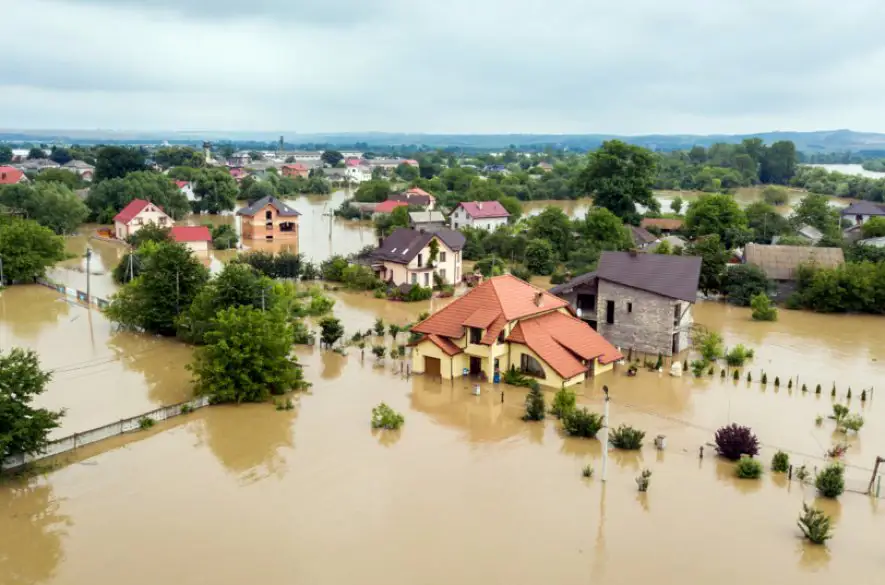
(534, 403)
(815, 525)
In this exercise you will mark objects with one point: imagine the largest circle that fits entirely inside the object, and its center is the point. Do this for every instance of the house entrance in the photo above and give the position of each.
(432, 367)
(475, 366)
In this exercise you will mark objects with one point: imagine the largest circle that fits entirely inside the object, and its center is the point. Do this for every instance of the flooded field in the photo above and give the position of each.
(466, 492)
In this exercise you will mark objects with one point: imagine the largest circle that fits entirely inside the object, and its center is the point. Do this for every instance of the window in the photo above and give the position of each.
(426, 279)
(677, 314)
(475, 335)
(420, 260)
(442, 256)
(609, 312)
(501, 336)
(629, 307)
(414, 278)
(531, 366)
(442, 274)
(162, 221)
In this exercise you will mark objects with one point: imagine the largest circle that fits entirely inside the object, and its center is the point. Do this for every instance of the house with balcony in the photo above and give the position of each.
(506, 322)
(269, 219)
(406, 257)
(638, 301)
(137, 214)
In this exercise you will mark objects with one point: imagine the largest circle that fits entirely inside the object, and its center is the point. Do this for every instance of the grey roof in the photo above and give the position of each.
(669, 276)
(811, 232)
(281, 207)
(864, 208)
(642, 236)
(426, 217)
(78, 164)
(404, 244)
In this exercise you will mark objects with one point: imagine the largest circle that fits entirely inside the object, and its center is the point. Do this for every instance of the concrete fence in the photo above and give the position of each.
(120, 427)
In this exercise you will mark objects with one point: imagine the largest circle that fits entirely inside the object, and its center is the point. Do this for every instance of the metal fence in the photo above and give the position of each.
(73, 294)
(126, 425)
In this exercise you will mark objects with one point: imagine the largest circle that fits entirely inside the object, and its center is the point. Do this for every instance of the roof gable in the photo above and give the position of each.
(282, 208)
(135, 207)
(484, 209)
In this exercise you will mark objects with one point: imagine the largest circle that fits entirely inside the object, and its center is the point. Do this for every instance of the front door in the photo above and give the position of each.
(475, 366)
(432, 366)
(675, 343)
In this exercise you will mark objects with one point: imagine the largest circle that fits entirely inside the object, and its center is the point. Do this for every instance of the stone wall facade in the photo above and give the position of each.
(643, 321)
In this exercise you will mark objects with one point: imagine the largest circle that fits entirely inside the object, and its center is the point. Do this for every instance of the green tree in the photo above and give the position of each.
(714, 257)
(676, 204)
(252, 190)
(385, 223)
(170, 279)
(745, 281)
(5, 154)
(718, 214)
(765, 222)
(36, 153)
(247, 357)
(553, 225)
(224, 236)
(331, 157)
(69, 179)
(132, 262)
(540, 258)
(27, 249)
(52, 205)
(107, 198)
(333, 268)
(778, 164)
(23, 428)
(513, 207)
(605, 229)
(535, 408)
(331, 331)
(60, 155)
(873, 227)
(775, 195)
(620, 176)
(216, 191)
(407, 173)
(814, 210)
(372, 192)
(179, 156)
(762, 308)
(115, 162)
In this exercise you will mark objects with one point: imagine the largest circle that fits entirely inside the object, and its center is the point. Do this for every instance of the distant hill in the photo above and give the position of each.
(822, 141)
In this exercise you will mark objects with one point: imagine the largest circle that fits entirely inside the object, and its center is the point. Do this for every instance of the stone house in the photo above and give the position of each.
(269, 219)
(638, 301)
(138, 214)
(403, 257)
(505, 322)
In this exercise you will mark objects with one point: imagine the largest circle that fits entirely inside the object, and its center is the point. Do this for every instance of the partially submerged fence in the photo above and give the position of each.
(74, 294)
(114, 429)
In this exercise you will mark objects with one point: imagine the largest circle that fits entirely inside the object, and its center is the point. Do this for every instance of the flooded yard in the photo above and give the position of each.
(466, 492)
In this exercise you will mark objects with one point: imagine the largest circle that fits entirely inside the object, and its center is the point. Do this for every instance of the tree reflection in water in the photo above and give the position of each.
(31, 534)
(26, 312)
(160, 361)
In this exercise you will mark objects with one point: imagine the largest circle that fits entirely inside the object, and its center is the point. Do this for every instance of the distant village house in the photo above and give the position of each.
(138, 214)
(296, 170)
(195, 237)
(404, 257)
(269, 219)
(487, 215)
(781, 263)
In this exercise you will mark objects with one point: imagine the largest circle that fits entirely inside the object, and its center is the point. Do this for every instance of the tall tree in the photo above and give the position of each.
(719, 214)
(23, 428)
(553, 225)
(36, 153)
(5, 154)
(620, 176)
(107, 198)
(778, 164)
(765, 222)
(216, 191)
(67, 178)
(27, 249)
(114, 162)
(170, 279)
(58, 208)
(373, 191)
(179, 156)
(605, 229)
(60, 155)
(331, 157)
(814, 210)
(714, 257)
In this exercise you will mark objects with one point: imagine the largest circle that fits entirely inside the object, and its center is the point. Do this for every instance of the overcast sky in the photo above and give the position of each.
(454, 66)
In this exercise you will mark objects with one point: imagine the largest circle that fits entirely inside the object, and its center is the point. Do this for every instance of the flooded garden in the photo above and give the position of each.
(465, 492)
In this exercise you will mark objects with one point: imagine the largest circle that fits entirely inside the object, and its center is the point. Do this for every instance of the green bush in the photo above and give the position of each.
(764, 378)
(564, 401)
(852, 422)
(762, 308)
(815, 525)
(710, 346)
(830, 482)
(626, 437)
(587, 471)
(379, 351)
(780, 462)
(516, 378)
(777, 381)
(186, 409)
(582, 423)
(417, 293)
(738, 356)
(144, 423)
(384, 417)
(736, 376)
(534, 403)
(697, 367)
(643, 479)
(749, 377)
(748, 468)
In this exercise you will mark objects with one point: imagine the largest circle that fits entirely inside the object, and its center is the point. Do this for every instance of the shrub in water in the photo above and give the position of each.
(515, 378)
(582, 423)
(840, 411)
(685, 366)
(187, 409)
(733, 440)
(710, 372)
(145, 423)
(848, 395)
(804, 388)
(863, 395)
(660, 363)
(777, 381)
(817, 389)
(819, 420)
(802, 473)
(722, 373)
(587, 471)
(790, 384)
(384, 417)
(830, 482)
(379, 351)
(642, 480)
(764, 378)
(563, 402)
(534, 403)
(780, 462)
(749, 377)
(815, 525)
(748, 468)
(626, 437)
(738, 355)
(833, 391)
(852, 422)
(737, 376)
(697, 367)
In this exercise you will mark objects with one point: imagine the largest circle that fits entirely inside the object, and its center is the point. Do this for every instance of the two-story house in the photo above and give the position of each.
(406, 257)
(357, 171)
(506, 322)
(136, 215)
(487, 215)
(638, 301)
(269, 219)
(296, 170)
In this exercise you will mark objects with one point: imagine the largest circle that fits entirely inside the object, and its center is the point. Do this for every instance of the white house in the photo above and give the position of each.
(403, 257)
(357, 172)
(187, 189)
(138, 214)
(487, 215)
(860, 212)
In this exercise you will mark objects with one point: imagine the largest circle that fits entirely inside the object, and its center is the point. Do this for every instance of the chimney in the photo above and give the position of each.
(3, 175)
(380, 242)
(479, 205)
(539, 298)
(633, 252)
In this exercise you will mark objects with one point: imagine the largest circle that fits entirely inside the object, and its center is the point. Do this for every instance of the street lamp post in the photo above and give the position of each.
(605, 438)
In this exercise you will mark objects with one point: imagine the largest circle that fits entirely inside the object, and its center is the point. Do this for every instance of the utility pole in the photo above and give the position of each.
(131, 262)
(1, 272)
(88, 277)
(605, 439)
(177, 293)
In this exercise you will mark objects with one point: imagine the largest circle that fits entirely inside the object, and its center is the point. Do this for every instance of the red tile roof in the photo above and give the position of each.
(135, 207)
(503, 298)
(181, 184)
(296, 167)
(10, 175)
(665, 223)
(484, 209)
(418, 191)
(388, 206)
(444, 344)
(563, 342)
(190, 233)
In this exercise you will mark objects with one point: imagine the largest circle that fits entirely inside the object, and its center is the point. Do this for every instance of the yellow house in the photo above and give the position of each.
(507, 322)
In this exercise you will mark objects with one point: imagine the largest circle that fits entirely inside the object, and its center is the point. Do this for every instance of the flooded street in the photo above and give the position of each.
(228, 493)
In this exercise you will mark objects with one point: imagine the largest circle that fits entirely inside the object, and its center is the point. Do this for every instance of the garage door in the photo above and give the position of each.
(432, 366)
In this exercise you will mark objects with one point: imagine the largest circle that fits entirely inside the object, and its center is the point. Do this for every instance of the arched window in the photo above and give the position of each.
(531, 366)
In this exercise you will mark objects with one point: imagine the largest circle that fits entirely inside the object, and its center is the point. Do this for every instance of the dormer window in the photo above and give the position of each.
(475, 335)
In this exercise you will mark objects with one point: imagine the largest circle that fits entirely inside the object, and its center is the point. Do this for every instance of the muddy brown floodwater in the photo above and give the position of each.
(466, 492)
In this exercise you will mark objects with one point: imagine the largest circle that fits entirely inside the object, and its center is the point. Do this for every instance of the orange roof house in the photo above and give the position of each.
(506, 322)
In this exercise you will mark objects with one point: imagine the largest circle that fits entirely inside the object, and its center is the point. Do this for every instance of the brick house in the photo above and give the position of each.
(138, 214)
(269, 219)
(638, 301)
(296, 170)
(506, 322)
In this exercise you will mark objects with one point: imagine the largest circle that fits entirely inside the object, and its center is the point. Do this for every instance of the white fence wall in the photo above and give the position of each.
(113, 429)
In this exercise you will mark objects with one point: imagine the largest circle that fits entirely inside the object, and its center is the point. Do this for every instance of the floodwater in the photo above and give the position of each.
(850, 169)
(466, 492)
